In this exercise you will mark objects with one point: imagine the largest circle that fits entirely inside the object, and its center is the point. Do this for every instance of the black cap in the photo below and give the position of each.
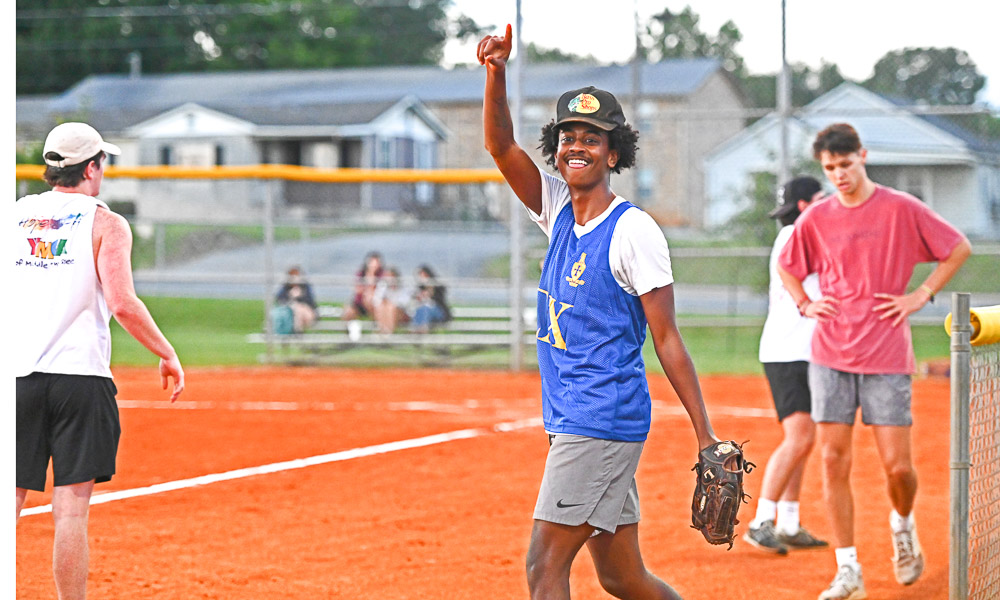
(590, 105)
(800, 188)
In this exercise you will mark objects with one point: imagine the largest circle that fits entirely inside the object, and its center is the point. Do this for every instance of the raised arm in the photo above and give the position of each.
(112, 253)
(658, 304)
(498, 129)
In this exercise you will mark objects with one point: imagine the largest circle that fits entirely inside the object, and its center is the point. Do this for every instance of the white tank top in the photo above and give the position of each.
(60, 319)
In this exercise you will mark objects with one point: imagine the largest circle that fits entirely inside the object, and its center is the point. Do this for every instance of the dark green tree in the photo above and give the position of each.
(677, 35)
(753, 225)
(60, 42)
(807, 85)
(936, 76)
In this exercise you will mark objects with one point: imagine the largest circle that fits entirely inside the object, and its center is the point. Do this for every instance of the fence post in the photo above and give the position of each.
(269, 283)
(515, 212)
(961, 349)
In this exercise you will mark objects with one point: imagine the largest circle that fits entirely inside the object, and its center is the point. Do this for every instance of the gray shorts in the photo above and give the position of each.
(836, 395)
(588, 480)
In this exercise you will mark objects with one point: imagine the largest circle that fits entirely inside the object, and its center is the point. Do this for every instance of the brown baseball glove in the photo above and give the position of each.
(718, 491)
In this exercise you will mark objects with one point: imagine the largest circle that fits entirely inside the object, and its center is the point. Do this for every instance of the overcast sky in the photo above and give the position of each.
(853, 34)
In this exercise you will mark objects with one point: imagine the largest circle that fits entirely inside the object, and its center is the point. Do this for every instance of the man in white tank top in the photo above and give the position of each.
(72, 270)
(784, 352)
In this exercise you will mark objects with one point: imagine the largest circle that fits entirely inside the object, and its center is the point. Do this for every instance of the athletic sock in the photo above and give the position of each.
(788, 517)
(899, 522)
(848, 556)
(767, 510)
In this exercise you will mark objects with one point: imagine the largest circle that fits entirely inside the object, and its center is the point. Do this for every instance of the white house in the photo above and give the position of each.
(370, 135)
(952, 171)
(413, 116)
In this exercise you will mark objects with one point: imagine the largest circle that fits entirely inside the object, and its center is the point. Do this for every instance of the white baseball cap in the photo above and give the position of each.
(74, 143)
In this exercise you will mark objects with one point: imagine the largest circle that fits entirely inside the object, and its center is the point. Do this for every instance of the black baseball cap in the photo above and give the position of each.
(800, 188)
(590, 105)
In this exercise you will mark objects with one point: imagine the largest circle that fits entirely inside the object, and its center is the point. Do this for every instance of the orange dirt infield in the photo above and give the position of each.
(448, 520)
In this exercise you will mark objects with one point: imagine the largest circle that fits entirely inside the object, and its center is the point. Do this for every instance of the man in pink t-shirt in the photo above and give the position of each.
(864, 242)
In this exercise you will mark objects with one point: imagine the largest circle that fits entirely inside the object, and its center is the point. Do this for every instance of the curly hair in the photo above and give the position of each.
(621, 139)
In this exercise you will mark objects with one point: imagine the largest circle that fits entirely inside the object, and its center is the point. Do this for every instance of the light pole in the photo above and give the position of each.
(784, 105)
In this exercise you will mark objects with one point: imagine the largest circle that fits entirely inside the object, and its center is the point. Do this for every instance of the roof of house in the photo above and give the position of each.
(973, 141)
(115, 102)
(883, 123)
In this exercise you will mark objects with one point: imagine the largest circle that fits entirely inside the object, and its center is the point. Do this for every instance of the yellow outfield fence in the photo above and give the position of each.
(291, 173)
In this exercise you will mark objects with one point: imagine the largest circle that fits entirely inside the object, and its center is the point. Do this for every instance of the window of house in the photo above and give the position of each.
(281, 152)
(912, 180)
(350, 153)
(165, 155)
(220, 155)
(383, 157)
(424, 159)
(647, 183)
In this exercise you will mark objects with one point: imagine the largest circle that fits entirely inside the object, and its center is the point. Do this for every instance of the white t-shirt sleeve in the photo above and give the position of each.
(555, 196)
(638, 255)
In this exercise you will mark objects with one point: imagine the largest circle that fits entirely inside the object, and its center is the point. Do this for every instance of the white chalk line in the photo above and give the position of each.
(441, 407)
(300, 463)
(414, 406)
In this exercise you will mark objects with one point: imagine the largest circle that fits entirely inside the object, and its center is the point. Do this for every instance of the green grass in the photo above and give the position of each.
(213, 333)
(978, 274)
(205, 332)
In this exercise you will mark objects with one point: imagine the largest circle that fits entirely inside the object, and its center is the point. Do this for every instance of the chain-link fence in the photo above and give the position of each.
(984, 472)
(975, 434)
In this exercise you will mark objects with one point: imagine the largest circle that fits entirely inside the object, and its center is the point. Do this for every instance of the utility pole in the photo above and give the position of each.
(784, 104)
(516, 236)
(636, 99)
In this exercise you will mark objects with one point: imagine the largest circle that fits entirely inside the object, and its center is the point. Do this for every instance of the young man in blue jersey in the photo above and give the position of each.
(606, 275)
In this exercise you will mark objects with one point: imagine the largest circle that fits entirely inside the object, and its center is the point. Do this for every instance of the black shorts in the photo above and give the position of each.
(789, 387)
(71, 418)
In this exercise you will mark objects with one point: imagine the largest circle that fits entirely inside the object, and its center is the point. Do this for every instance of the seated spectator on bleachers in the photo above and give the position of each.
(431, 302)
(391, 302)
(296, 306)
(362, 303)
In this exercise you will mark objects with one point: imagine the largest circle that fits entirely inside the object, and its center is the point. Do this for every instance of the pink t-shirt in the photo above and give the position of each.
(859, 252)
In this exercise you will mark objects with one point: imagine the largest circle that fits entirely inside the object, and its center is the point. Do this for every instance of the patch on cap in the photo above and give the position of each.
(584, 104)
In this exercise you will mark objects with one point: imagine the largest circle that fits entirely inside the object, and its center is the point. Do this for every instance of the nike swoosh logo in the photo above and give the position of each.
(560, 504)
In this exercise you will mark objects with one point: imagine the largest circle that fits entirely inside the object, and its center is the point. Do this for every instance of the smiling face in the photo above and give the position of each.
(583, 155)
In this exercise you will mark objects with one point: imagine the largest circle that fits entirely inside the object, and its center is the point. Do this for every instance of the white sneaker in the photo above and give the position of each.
(847, 585)
(908, 558)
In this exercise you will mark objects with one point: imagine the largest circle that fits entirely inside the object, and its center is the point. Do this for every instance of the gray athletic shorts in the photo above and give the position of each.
(588, 480)
(836, 395)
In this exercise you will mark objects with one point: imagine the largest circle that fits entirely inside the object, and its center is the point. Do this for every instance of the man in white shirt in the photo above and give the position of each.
(785, 353)
(72, 271)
